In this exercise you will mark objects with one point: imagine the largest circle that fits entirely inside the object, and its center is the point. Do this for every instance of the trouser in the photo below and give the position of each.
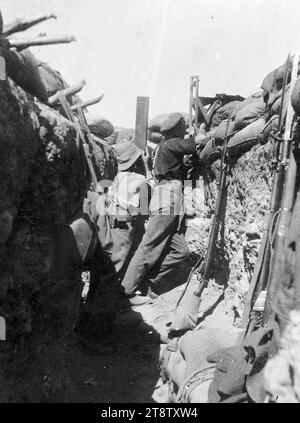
(161, 249)
(104, 291)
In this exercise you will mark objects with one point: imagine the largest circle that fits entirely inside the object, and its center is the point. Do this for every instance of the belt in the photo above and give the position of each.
(121, 221)
(166, 180)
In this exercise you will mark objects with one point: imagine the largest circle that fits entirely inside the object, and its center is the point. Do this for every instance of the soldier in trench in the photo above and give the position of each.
(163, 245)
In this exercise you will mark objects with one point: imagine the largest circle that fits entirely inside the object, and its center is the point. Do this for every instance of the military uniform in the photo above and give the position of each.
(163, 246)
(126, 218)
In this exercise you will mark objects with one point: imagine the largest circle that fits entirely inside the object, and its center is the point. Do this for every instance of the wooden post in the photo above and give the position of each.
(141, 123)
(196, 100)
(191, 104)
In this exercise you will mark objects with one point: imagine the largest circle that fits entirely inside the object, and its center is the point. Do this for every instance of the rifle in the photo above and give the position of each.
(187, 319)
(84, 136)
(261, 271)
(21, 25)
(287, 202)
(88, 103)
(22, 43)
(73, 89)
(87, 146)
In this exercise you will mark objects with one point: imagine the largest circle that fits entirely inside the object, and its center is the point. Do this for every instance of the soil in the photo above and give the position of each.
(124, 367)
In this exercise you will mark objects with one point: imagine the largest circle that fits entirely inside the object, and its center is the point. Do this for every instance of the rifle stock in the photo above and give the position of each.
(73, 89)
(21, 25)
(87, 103)
(22, 43)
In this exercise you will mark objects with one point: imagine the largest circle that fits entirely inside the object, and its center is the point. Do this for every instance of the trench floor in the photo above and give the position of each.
(124, 368)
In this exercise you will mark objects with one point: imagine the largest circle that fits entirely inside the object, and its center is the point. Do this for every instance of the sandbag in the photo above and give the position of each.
(99, 126)
(128, 134)
(295, 98)
(253, 98)
(52, 79)
(275, 102)
(220, 131)
(245, 139)
(186, 368)
(273, 82)
(22, 68)
(223, 112)
(213, 147)
(249, 113)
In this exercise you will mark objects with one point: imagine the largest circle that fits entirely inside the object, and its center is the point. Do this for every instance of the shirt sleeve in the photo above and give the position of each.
(185, 146)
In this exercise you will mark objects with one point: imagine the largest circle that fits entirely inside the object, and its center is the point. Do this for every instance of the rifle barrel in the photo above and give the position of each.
(22, 43)
(88, 103)
(74, 89)
(21, 25)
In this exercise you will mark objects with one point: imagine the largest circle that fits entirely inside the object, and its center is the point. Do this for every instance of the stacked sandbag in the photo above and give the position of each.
(127, 134)
(32, 75)
(99, 126)
(248, 113)
(185, 368)
(223, 112)
(52, 79)
(245, 139)
(22, 68)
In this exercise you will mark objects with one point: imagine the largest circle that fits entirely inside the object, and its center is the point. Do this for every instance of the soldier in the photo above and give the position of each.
(163, 245)
(126, 214)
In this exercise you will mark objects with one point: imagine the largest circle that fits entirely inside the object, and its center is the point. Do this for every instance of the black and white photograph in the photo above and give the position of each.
(149, 204)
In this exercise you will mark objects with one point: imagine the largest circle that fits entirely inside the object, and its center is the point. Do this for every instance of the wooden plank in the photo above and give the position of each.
(191, 104)
(141, 123)
(196, 96)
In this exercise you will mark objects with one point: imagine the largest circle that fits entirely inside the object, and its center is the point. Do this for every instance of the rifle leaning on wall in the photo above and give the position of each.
(262, 266)
(186, 317)
(287, 203)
